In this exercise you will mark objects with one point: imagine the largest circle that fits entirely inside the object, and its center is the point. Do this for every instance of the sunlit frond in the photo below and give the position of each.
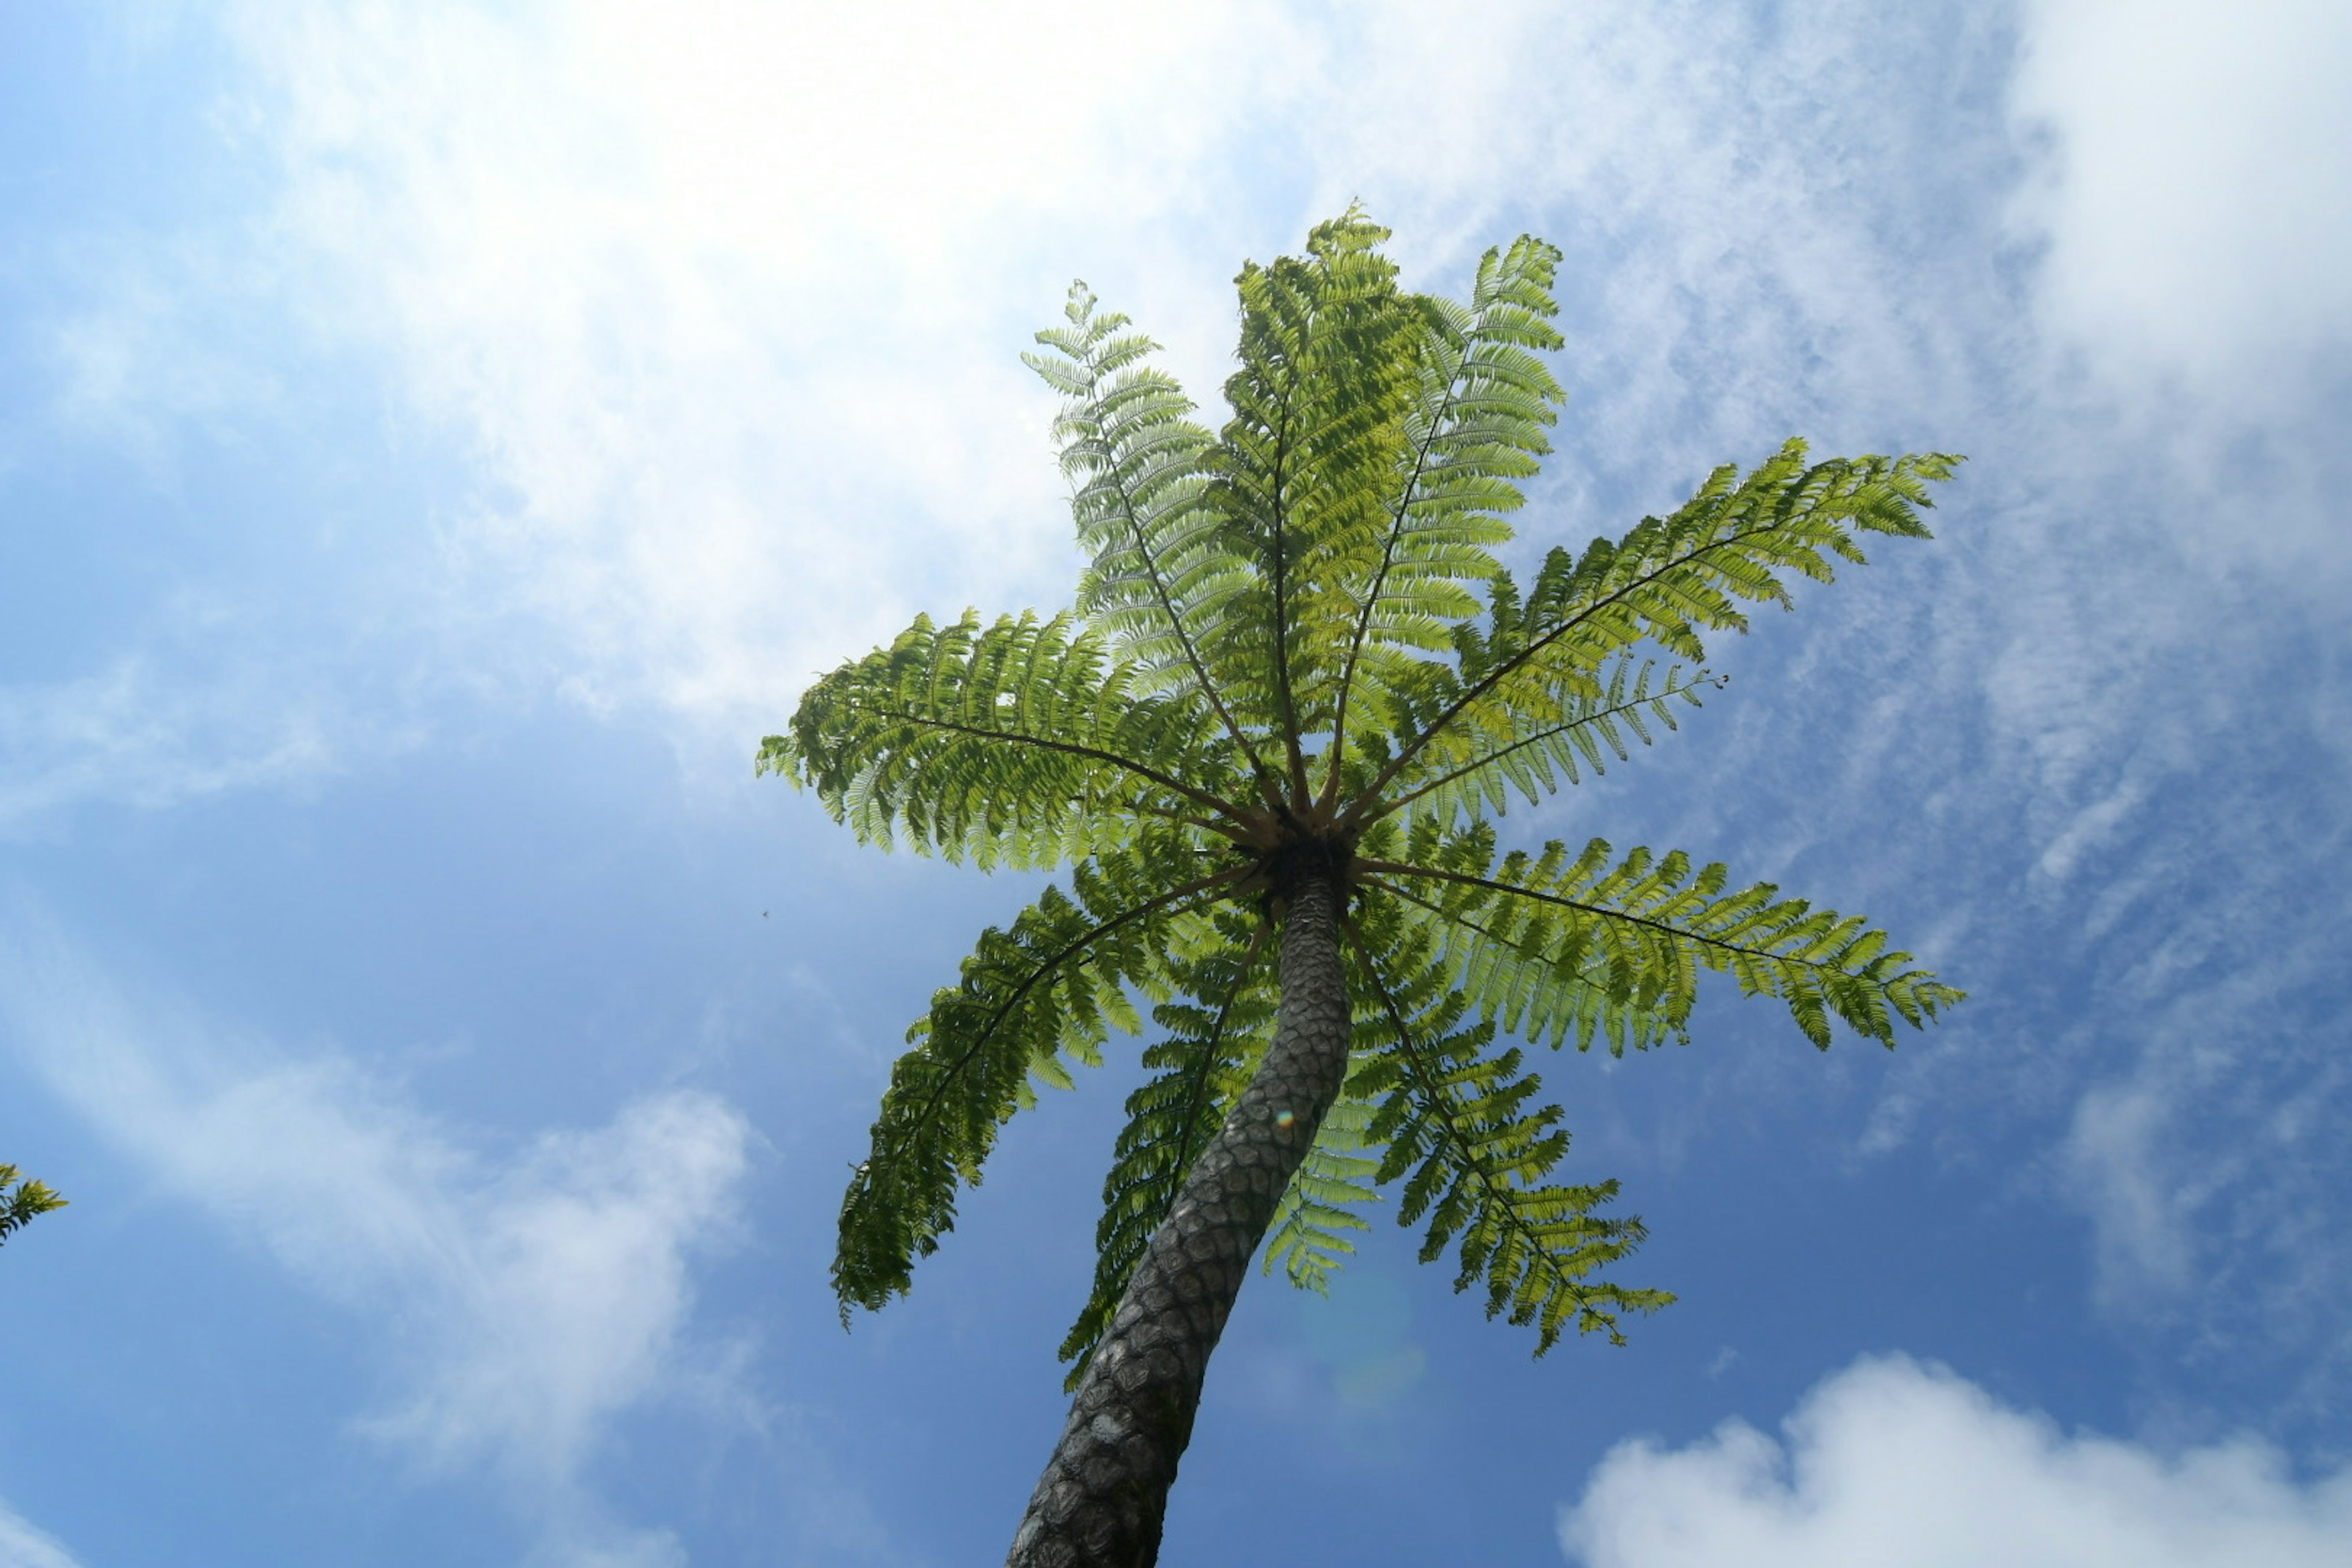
(1162, 579)
(1667, 582)
(1594, 945)
(1019, 743)
(1533, 758)
(1481, 403)
(1302, 473)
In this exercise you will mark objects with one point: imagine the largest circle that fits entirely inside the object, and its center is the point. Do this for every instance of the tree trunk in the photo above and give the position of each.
(1100, 1501)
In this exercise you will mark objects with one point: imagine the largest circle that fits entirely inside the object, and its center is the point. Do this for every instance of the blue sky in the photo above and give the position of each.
(437, 440)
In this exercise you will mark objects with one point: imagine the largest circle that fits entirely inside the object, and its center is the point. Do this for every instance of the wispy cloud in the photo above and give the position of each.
(1892, 1462)
(2205, 1158)
(23, 1546)
(573, 1276)
(730, 313)
(525, 1302)
(134, 371)
(150, 737)
(723, 310)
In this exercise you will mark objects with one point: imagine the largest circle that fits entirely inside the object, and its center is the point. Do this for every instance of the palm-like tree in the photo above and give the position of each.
(1264, 743)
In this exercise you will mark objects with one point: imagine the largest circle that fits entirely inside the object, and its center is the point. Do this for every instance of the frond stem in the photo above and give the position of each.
(1224, 830)
(1197, 797)
(1266, 785)
(1599, 912)
(1380, 580)
(1440, 910)
(1290, 737)
(1701, 678)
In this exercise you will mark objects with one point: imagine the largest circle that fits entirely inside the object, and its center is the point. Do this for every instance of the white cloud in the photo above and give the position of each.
(22, 1546)
(149, 738)
(2201, 150)
(2146, 1227)
(729, 311)
(1891, 1462)
(2197, 262)
(527, 1301)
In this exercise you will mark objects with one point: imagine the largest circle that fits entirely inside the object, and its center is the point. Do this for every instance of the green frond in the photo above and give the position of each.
(1481, 403)
(1021, 743)
(1668, 581)
(1454, 1119)
(1032, 999)
(1307, 1237)
(1219, 1016)
(1162, 577)
(1301, 473)
(22, 1201)
(1593, 946)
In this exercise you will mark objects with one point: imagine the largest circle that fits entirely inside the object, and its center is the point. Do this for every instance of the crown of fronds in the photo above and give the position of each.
(1292, 637)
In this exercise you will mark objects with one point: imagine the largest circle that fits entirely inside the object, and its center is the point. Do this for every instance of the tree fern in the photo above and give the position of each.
(1269, 743)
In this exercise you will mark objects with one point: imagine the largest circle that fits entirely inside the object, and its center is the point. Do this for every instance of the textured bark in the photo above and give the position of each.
(1101, 1500)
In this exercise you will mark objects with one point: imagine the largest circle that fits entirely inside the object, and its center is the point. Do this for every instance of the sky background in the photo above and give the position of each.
(438, 440)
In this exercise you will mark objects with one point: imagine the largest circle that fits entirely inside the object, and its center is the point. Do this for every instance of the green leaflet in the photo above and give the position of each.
(1481, 403)
(1531, 756)
(1301, 474)
(1292, 646)
(1666, 581)
(1160, 580)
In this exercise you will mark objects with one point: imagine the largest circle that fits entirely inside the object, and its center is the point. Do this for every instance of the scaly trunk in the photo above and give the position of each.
(1100, 1501)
